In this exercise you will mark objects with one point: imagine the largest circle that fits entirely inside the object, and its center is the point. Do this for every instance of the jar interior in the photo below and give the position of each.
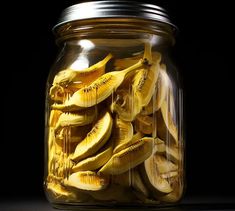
(114, 129)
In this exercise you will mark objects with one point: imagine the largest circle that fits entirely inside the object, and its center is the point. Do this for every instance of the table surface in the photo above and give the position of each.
(188, 204)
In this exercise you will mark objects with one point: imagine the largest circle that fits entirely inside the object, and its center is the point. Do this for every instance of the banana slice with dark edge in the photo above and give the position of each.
(123, 145)
(96, 161)
(122, 133)
(95, 139)
(128, 158)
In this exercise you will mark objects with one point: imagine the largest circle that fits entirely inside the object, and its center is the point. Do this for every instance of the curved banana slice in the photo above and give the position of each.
(153, 180)
(87, 180)
(129, 157)
(98, 90)
(144, 124)
(80, 118)
(95, 139)
(162, 88)
(79, 78)
(166, 128)
(96, 161)
(122, 133)
(164, 166)
(145, 80)
(144, 84)
(135, 138)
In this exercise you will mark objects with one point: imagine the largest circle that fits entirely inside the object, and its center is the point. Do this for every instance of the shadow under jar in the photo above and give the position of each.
(114, 109)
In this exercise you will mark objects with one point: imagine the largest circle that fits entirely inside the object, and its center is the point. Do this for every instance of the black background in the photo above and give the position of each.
(204, 53)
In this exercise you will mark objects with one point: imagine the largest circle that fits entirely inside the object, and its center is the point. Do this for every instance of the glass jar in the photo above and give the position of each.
(114, 109)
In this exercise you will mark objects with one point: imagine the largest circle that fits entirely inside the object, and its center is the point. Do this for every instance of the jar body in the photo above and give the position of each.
(114, 123)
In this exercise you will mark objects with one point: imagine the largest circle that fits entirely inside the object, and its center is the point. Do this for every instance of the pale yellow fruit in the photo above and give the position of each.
(87, 180)
(122, 133)
(96, 161)
(128, 158)
(95, 139)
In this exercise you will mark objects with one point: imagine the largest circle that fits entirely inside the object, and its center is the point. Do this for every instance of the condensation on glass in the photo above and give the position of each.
(114, 109)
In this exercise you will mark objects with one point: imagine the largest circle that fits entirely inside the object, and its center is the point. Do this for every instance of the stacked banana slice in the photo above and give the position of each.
(113, 135)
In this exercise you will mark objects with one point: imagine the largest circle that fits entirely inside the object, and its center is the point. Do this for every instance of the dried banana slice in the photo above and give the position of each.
(95, 139)
(166, 128)
(79, 118)
(122, 133)
(145, 80)
(152, 178)
(87, 180)
(128, 158)
(98, 90)
(135, 138)
(162, 88)
(80, 78)
(164, 166)
(96, 161)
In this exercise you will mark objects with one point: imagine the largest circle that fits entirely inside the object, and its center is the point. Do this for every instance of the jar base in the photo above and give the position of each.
(111, 205)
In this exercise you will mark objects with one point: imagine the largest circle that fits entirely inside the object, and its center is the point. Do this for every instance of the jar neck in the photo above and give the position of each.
(115, 28)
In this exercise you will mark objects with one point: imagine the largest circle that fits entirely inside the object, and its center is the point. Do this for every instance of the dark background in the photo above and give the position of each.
(204, 53)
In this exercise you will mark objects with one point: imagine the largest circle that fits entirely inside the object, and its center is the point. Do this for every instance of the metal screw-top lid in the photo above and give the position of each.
(114, 9)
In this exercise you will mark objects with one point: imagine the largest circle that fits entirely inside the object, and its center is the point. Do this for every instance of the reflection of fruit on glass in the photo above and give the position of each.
(110, 152)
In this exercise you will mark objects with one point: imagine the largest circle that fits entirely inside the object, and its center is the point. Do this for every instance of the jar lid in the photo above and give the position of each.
(114, 9)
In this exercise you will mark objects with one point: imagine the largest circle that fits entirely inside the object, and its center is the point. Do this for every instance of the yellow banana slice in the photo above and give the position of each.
(162, 88)
(129, 157)
(135, 138)
(122, 133)
(95, 139)
(164, 166)
(79, 78)
(87, 180)
(96, 161)
(152, 178)
(80, 118)
(166, 128)
(98, 90)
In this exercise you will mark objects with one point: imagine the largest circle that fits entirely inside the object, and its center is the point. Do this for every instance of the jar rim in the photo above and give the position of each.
(114, 9)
